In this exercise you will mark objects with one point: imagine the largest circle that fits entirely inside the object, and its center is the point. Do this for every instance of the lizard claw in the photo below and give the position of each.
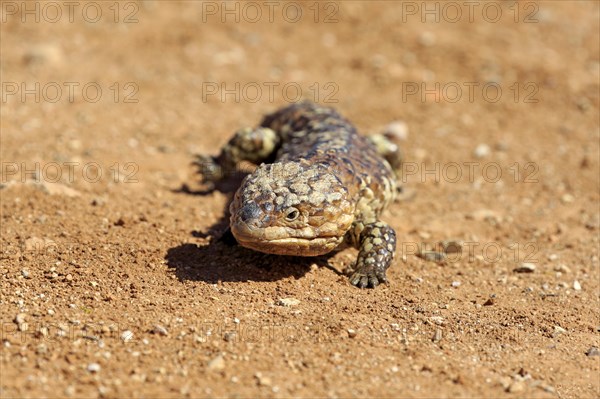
(367, 280)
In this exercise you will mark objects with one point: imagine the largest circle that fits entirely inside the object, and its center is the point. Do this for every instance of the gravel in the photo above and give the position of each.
(126, 336)
(482, 151)
(20, 318)
(217, 363)
(432, 256)
(562, 268)
(288, 302)
(438, 335)
(593, 351)
(525, 268)
(93, 367)
(558, 330)
(159, 330)
(396, 130)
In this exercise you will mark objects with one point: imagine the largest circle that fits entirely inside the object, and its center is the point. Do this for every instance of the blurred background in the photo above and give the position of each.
(123, 79)
(105, 104)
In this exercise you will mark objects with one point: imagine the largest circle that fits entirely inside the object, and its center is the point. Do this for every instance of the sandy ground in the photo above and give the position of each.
(113, 282)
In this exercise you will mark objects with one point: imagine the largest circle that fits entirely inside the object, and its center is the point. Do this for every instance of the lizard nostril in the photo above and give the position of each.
(250, 211)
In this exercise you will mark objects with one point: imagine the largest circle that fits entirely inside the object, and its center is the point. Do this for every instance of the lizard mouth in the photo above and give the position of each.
(278, 241)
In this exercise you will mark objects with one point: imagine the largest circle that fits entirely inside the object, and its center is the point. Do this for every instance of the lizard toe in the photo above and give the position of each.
(360, 280)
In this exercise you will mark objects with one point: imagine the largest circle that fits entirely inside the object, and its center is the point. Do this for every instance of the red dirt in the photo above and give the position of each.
(92, 258)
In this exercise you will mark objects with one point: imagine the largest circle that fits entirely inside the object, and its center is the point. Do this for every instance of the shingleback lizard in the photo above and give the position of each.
(319, 186)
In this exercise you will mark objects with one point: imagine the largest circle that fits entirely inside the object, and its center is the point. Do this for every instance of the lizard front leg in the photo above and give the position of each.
(376, 244)
(255, 145)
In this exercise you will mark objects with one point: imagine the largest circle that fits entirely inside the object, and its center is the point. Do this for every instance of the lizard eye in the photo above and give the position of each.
(292, 214)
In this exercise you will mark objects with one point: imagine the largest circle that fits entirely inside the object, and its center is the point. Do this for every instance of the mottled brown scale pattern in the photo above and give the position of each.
(326, 186)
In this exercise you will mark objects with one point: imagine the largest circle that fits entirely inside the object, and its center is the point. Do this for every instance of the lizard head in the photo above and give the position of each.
(288, 208)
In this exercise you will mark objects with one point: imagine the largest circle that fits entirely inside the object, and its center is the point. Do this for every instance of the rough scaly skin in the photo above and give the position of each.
(323, 186)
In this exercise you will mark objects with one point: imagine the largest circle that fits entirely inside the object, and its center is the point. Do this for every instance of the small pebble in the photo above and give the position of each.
(456, 284)
(558, 330)
(576, 285)
(288, 302)
(437, 336)
(548, 388)
(485, 215)
(98, 201)
(432, 256)
(229, 336)
(525, 268)
(424, 235)
(351, 333)
(262, 380)
(593, 351)
(427, 39)
(567, 198)
(93, 367)
(562, 268)
(516, 387)
(482, 151)
(217, 363)
(160, 330)
(20, 318)
(127, 336)
(70, 390)
(59, 189)
(489, 302)
(501, 146)
(44, 54)
(396, 130)
(25, 273)
(452, 246)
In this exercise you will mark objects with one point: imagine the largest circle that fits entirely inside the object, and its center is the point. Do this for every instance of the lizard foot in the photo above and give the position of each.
(368, 280)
